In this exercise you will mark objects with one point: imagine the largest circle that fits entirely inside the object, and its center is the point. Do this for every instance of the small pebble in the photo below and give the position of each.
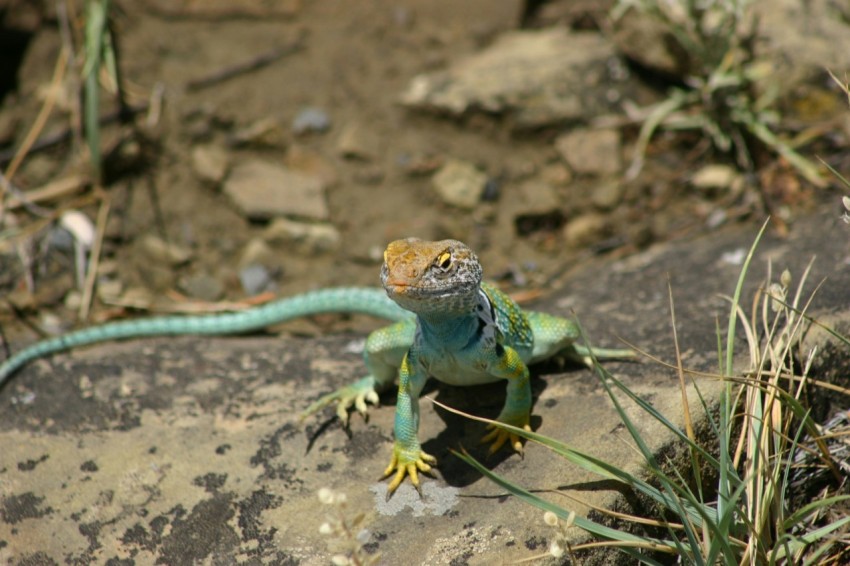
(202, 286)
(460, 184)
(607, 195)
(585, 230)
(255, 279)
(304, 237)
(161, 251)
(358, 141)
(210, 163)
(591, 152)
(311, 119)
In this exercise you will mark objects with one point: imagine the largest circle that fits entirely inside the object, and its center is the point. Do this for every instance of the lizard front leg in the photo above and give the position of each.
(384, 351)
(506, 363)
(408, 459)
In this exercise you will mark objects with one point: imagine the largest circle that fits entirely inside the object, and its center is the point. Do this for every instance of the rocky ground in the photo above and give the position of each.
(277, 147)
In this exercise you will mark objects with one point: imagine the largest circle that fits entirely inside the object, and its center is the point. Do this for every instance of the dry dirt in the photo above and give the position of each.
(355, 60)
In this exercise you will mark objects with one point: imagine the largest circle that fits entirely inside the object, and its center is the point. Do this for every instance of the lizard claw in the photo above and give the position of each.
(355, 395)
(499, 436)
(404, 464)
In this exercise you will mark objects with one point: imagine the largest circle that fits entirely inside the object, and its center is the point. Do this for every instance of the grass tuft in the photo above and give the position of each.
(745, 514)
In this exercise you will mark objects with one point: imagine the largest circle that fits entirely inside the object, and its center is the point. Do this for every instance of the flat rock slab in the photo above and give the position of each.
(543, 77)
(177, 451)
(263, 190)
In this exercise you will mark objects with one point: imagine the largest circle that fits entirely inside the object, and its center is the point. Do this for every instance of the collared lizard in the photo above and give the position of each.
(449, 325)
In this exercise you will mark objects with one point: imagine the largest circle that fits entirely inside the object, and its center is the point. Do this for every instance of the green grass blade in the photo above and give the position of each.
(600, 531)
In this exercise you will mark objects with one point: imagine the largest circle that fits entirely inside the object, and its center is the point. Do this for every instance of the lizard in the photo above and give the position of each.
(447, 323)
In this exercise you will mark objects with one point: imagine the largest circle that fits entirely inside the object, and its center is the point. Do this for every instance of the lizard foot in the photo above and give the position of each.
(356, 395)
(407, 463)
(499, 436)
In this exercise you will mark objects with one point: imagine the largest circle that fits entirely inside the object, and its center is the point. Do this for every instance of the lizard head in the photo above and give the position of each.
(423, 276)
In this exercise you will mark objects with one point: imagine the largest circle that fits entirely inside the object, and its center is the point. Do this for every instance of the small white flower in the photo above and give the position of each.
(326, 496)
(571, 518)
(555, 549)
(550, 519)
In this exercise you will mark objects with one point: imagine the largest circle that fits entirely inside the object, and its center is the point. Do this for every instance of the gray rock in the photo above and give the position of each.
(591, 152)
(311, 120)
(460, 183)
(255, 279)
(542, 77)
(201, 286)
(263, 190)
(303, 237)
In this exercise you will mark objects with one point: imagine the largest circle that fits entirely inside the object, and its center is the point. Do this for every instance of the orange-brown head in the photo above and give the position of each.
(423, 276)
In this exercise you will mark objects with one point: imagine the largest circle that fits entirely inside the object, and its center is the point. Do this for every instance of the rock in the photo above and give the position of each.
(460, 184)
(584, 230)
(591, 152)
(210, 163)
(607, 195)
(717, 177)
(643, 38)
(263, 190)
(535, 207)
(556, 174)
(255, 279)
(801, 39)
(310, 120)
(162, 252)
(265, 132)
(257, 252)
(542, 77)
(109, 290)
(357, 141)
(536, 197)
(201, 286)
(312, 163)
(303, 237)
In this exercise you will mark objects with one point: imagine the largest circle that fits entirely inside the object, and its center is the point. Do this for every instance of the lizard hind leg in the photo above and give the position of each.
(555, 335)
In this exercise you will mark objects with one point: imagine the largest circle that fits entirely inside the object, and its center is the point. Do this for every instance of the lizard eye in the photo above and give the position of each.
(444, 261)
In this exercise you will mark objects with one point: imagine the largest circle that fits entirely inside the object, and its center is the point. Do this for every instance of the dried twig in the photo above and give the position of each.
(60, 187)
(94, 259)
(55, 138)
(38, 125)
(246, 66)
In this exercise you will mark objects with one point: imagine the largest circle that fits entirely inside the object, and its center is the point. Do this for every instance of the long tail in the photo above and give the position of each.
(364, 300)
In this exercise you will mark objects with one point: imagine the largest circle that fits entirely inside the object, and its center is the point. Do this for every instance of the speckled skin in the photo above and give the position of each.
(466, 332)
(449, 325)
